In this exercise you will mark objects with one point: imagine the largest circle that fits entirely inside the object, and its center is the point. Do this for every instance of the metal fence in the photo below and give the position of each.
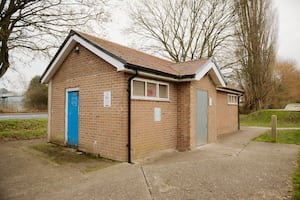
(11, 104)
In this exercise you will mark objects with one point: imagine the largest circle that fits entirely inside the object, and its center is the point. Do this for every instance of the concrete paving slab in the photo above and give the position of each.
(27, 177)
(233, 168)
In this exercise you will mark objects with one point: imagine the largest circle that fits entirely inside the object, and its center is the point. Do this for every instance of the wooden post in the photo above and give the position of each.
(274, 128)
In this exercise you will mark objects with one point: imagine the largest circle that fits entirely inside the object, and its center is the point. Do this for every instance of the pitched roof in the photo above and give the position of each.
(132, 56)
(189, 67)
(128, 59)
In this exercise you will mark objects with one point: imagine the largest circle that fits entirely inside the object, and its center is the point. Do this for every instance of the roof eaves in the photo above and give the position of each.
(96, 48)
(230, 90)
(217, 66)
(151, 71)
(187, 76)
(100, 48)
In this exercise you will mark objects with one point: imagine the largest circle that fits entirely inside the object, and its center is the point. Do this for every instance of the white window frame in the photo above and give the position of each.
(232, 99)
(157, 98)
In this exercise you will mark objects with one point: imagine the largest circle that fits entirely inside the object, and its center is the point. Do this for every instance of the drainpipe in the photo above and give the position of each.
(129, 115)
(238, 113)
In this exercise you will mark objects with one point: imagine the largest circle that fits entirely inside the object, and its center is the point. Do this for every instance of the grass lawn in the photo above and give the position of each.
(23, 129)
(283, 137)
(287, 137)
(263, 118)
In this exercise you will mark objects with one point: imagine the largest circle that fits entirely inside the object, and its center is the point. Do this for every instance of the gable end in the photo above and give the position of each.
(211, 68)
(69, 44)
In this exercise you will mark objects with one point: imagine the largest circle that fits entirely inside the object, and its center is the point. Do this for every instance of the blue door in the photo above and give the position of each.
(73, 104)
(202, 122)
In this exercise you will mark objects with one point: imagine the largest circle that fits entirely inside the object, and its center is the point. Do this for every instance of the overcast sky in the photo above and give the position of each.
(288, 41)
(289, 30)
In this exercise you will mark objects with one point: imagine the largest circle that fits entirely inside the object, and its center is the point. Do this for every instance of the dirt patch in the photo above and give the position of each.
(60, 155)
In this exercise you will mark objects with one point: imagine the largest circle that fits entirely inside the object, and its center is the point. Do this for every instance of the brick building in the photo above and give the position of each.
(125, 105)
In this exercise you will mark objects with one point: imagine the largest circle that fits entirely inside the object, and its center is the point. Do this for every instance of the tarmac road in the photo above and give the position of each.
(5, 116)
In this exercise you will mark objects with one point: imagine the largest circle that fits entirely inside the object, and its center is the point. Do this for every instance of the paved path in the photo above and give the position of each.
(5, 116)
(233, 168)
(278, 128)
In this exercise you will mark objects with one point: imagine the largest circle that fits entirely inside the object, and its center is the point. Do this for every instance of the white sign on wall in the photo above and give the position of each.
(157, 114)
(107, 99)
(210, 101)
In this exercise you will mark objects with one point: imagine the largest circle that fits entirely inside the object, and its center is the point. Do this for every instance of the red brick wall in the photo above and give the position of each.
(205, 84)
(105, 126)
(149, 136)
(227, 115)
(187, 112)
(104, 130)
(184, 116)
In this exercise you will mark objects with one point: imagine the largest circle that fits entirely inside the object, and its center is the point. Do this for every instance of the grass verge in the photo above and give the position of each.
(286, 137)
(263, 118)
(283, 137)
(23, 129)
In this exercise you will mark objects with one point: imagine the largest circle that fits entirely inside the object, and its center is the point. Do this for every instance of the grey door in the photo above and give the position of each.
(202, 107)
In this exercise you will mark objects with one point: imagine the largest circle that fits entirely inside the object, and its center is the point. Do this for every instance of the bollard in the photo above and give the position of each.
(274, 128)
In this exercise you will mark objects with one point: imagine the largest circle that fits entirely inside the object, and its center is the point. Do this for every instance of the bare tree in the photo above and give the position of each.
(184, 29)
(286, 85)
(37, 25)
(256, 33)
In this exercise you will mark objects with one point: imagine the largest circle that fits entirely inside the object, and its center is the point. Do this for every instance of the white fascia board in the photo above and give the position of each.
(149, 75)
(59, 60)
(68, 48)
(204, 70)
(208, 66)
(219, 75)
